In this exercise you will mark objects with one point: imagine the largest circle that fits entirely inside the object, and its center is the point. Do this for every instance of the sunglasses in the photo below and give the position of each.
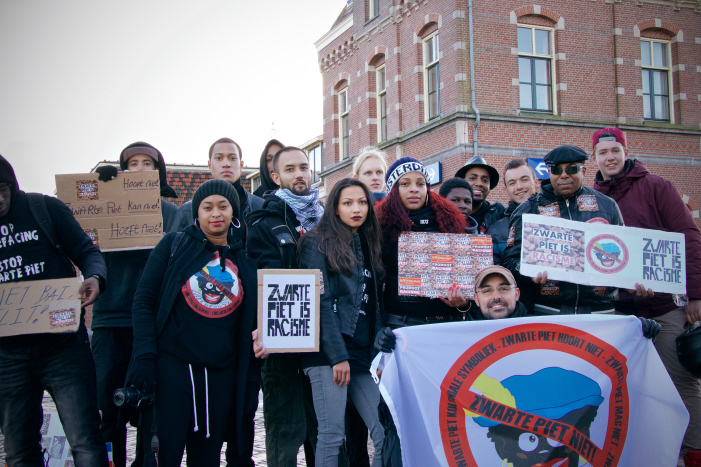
(570, 170)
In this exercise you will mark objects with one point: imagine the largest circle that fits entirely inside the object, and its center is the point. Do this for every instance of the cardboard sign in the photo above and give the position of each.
(122, 214)
(288, 310)
(603, 255)
(57, 451)
(430, 262)
(34, 307)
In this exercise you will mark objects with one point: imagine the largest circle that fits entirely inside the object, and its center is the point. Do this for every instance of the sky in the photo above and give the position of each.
(82, 79)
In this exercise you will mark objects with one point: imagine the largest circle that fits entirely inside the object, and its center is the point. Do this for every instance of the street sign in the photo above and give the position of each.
(435, 172)
(541, 170)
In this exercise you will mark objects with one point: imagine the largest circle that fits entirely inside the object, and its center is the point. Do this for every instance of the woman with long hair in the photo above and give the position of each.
(194, 312)
(346, 247)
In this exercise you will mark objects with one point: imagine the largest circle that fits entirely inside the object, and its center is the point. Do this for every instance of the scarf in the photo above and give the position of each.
(424, 219)
(308, 209)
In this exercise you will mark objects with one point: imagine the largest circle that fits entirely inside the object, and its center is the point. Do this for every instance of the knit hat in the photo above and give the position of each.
(216, 187)
(403, 166)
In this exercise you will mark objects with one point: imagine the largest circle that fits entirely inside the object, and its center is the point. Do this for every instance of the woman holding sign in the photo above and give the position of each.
(193, 314)
(345, 246)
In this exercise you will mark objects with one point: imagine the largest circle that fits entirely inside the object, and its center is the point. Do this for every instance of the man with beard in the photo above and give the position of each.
(483, 178)
(496, 295)
(273, 232)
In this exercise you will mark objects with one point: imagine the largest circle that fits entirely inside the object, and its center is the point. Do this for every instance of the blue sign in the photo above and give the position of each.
(435, 172)
(541, 170)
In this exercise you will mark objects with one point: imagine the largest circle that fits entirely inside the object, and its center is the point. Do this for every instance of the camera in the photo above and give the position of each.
(131, 397)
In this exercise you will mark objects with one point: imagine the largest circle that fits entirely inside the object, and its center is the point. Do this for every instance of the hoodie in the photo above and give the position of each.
(266, 182)
(27, 255)
(166, 190)
(650, 202)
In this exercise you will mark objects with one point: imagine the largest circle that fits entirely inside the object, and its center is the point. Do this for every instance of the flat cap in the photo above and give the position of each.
(564, 154)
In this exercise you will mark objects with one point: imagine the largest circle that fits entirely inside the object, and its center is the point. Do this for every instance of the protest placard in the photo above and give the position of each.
(288, 310)
(122, 214)
(430, 262)
(603, 255)
(34, 307)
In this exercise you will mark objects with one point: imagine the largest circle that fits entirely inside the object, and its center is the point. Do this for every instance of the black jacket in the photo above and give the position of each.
(273, 232)
(125, 268)
(165, 273)
(475, 313)
(340, 301)
(488, 214)
(500, 233)
(557, 297)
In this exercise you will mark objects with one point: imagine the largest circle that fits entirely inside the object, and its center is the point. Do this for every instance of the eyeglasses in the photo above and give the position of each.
(489, 291)
(570, 170)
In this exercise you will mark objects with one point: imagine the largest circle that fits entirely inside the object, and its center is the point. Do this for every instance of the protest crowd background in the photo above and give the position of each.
(439, 117)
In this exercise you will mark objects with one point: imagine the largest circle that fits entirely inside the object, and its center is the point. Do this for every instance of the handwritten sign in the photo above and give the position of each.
(35, 307)
(122, 214)
(603, 255)
(430, 262)
(288, 310)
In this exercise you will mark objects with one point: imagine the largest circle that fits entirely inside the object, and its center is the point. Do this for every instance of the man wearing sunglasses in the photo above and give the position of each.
(565, 197)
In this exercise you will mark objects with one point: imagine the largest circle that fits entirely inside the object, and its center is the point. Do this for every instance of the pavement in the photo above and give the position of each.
(258, 445)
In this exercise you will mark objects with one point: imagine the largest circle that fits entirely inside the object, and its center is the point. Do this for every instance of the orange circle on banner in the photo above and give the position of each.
(608, 360)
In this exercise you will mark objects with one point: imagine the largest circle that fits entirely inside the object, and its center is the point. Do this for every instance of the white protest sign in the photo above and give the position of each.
(288, 310)
(603, 255)
(34, 307)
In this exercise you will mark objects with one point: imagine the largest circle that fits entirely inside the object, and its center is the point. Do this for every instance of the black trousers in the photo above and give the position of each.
(233, 458)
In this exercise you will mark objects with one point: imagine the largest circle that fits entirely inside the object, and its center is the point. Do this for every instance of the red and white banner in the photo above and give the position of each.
(567, 391)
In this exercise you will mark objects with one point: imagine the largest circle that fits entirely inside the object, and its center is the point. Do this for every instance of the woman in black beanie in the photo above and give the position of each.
(194, 312)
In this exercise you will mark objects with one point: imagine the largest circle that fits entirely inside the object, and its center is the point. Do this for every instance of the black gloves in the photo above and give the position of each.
(143, 376)
(385, 340)
(650, 328)
(106, 172)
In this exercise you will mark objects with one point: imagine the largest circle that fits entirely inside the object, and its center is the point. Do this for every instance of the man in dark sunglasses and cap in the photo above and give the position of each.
(565, 197)
(482, 177)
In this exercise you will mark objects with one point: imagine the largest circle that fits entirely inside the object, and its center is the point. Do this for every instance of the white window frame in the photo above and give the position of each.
(343, 114)
(313, 154)
(668, 69)
(551, 57)
(381, 88)
(373, 9)
(427, 67)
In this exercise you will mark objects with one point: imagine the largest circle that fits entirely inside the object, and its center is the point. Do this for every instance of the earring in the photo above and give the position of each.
(236, 226)
(197, 223)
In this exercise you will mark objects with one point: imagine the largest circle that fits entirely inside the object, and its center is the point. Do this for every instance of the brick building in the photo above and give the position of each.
(396, 74)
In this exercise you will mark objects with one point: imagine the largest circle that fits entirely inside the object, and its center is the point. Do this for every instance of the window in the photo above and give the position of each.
(654, 57)
(381, 105)
(343, 123)
(535, 69)
(374, 8)
(315, 154)
(432, 77)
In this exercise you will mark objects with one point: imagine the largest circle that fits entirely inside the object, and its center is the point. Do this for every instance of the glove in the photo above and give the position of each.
(106, 173)
(143, 376)
(650, 328)
(385, 340)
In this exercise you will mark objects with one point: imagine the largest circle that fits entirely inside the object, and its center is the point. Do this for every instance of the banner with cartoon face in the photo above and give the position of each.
(603, 255)
(565, 391)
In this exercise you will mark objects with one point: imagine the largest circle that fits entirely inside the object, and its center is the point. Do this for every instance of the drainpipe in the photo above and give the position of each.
(472, 79)
(615, 65)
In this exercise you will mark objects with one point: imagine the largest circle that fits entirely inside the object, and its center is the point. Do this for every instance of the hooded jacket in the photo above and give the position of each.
(500, 233)
(266, 182)
(651, 202)
(559, 297)
(40, 259)
(488, 214)
(114, 307)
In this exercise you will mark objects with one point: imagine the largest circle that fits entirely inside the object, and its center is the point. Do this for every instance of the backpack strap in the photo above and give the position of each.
(40, 213)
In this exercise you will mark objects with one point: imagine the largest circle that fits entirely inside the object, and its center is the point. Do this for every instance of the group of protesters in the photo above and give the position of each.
(178, 323)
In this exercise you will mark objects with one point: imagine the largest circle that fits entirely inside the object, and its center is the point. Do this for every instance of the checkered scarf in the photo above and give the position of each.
(308, 209)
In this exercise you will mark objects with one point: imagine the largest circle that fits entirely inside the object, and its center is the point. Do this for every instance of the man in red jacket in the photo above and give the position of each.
(651, 202)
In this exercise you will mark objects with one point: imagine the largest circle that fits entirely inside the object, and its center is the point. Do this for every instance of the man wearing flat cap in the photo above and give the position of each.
(567, 198)
(483, 178)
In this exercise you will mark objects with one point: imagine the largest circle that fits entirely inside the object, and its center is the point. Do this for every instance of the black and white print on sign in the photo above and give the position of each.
(214, 293)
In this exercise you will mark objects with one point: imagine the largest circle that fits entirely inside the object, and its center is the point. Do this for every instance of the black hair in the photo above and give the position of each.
(225, 140)
(336, 238)
(281, 152)
(452, 183)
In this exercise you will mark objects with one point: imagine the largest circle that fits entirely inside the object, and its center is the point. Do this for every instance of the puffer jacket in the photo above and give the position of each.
(341, 297)
(500, 233)
(559, 297)
(651, 202)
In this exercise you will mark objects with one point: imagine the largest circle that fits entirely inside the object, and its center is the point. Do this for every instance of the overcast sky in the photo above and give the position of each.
(82, 79)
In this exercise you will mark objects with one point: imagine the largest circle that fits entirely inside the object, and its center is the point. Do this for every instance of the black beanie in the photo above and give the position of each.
(216, 187)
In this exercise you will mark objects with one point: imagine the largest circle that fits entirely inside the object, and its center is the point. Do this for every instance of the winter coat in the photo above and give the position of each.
(559, 297)
(340, 301)
(500, 233)
(475, 313)
(651, 202)
(488, 214)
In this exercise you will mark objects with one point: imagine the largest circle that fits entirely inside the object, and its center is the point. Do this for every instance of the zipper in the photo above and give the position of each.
(335, 310)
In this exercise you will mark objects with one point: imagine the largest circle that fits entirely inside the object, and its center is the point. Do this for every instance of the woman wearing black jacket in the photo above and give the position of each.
(193, 315)
(345, 246)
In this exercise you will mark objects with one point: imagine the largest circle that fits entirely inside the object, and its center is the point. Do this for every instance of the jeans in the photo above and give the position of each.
(66, 370)
(330, 406)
